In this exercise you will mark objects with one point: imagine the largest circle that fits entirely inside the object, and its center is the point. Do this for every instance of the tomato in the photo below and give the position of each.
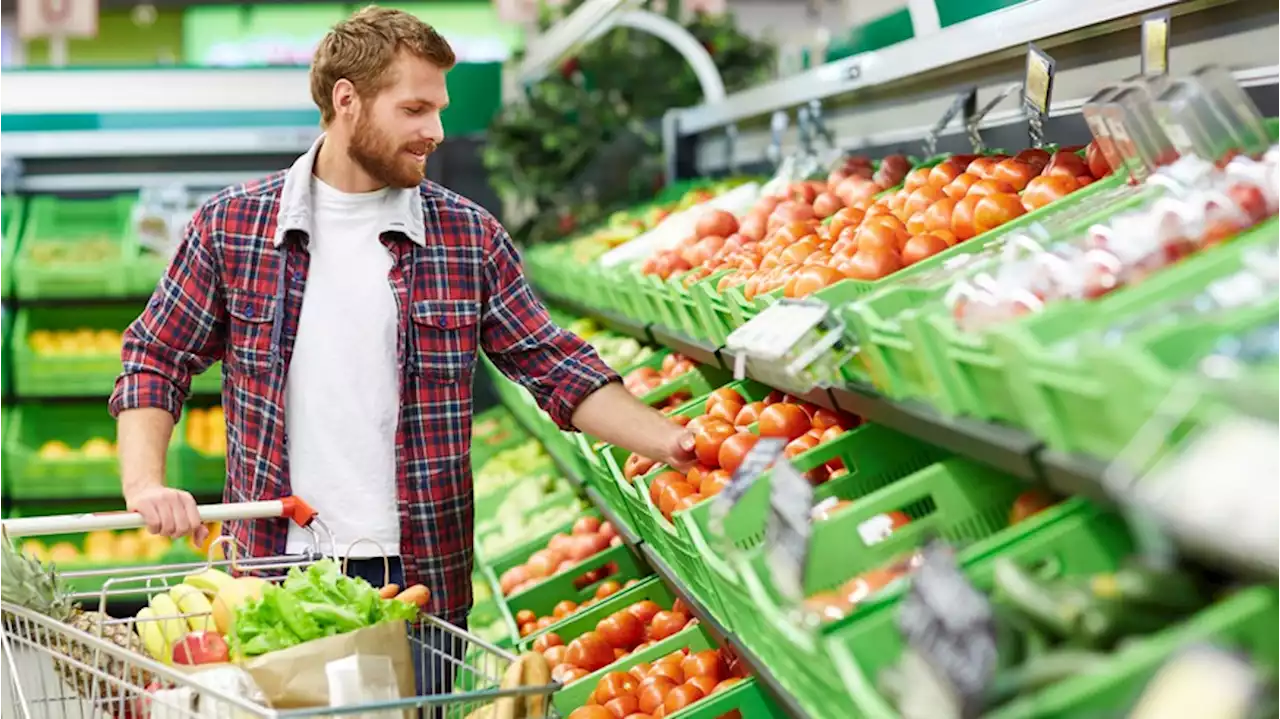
(544, 622)
(714, 483)
(824, 418)
(922, 247)
(947, 236)
(1096, 160)
(797, 253)
(660, 482)
(704, 683)
(704, 663)
(525, 616)
(641, 669)
(812, 278)
(800, 445)
(555, 655)
(982, 188)
(735, 449)
(564, 608)
(653, 692)
(1033, 156)
(1067, 164)
(667, 670)
(1029, 503)
(959, 187)
(915, 224)
(983, 167)
(784, 420)
(607, 589)
(1045, 189)
(921, 198)
(962, 217)
(843, 219)
(938, 215)
(1015, 173)
(644, 610)
(944, 173)
(590, 652)
(727, 684)
(665, 624)
(623, 706)
(681, 697)
(995, 210)
(877, 237)
(591, 711)
(528, 628)
(708, 438)
(725, 411)
(749, 414)
(671, 495)
(872, 264)
(918, 177)
(614, 685)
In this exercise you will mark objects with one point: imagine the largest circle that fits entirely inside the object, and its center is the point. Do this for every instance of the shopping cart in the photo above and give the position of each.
(54, 669)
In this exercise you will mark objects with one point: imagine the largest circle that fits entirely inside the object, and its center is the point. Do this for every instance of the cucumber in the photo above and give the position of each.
(1047, 669)
(1174, 592)
(1053, 606)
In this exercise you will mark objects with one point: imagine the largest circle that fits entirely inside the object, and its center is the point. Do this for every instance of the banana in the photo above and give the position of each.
(168, 618)
(195, 605)
(210, 581)
(152, 636)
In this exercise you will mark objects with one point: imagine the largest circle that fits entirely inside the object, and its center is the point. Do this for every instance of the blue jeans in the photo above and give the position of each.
(437, 654)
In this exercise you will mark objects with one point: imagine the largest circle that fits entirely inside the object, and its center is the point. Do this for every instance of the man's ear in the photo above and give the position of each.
(346, 102)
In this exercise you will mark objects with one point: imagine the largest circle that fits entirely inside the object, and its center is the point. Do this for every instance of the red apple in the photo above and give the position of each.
(201, 648)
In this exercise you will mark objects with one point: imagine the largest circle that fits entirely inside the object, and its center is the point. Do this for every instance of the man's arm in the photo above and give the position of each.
(179, 334)
(563, 372)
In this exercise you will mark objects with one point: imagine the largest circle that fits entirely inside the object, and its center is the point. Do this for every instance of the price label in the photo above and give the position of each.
(1155, 43)
(773, 332)
(949, 625)
(1037, 89)
(787, 529)
(757, 462)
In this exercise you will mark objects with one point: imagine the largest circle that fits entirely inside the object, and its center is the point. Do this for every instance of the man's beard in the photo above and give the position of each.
(379, 156)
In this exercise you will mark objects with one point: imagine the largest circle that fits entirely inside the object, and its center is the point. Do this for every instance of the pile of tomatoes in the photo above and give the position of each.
(817, 234)
(652, 691)
(722, 439)
(590, 537)
(529, 622)
(643, 380)
(633, 628)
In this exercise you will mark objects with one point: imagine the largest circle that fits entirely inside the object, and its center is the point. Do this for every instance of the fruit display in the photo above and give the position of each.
(81, 342)
(95, 448)
(588, 537)
(523, 516)
(101, 547)
(643, 380)
(670, 684)
(617, 351)
(207, 431)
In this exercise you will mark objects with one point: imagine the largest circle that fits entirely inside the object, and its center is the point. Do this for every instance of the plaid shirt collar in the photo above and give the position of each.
(402, 208)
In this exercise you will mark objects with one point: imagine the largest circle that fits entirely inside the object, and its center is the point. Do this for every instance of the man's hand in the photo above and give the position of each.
(681, 456)
(168, 512)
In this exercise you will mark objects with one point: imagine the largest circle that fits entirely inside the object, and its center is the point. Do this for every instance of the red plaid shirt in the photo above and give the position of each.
(233, 294)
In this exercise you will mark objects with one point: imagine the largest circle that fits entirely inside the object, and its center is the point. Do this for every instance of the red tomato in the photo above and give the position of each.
(995, 210)
(983, 167)
(749, 414)
(872, 264)
(665, 624)
(918, 177)
(800, 445)
(671, 495)
(784, 420)
(591, 711)
(614, 685)
(708, 438)
(555, 655)
(982, 188)
(644, 610)
(735, 449)
(812, 278)
(962, 217)
(959, 187)
(824, 418)
(944, 173)
(653, 692)
(844, 218)
(714, 483)
(525, 616)
(564, 608)
(1096, 160)
(922, 247)
(607, 589)
(1033, 156)
(726, 410)
(1015, 173)
(681, 697)
(938, 216)
(1067, 164)
(1030, 503)
(658, 483)
(1045, 189)
(704, 663)
(590, 652)
(623, 706)
(877, 236)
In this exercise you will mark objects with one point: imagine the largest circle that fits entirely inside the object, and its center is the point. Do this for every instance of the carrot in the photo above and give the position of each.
(389, 592)
(417, 594)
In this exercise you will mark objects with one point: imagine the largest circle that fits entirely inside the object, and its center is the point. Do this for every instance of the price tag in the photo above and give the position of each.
(966, 101)
(1037, 89)
(950, 627)
(757, 462)
(787, 529)
(1155, 43)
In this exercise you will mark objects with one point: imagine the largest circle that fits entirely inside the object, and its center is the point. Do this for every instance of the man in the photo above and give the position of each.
(347, 298)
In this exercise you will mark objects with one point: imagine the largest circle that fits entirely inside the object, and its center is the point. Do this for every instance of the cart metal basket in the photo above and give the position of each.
(53, 669)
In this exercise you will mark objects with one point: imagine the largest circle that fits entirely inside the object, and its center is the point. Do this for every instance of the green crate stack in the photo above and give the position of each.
(74, 248)
(14, 213)
(86, 365)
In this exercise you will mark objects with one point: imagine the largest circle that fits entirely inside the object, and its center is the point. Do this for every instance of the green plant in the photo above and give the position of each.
(585, 139)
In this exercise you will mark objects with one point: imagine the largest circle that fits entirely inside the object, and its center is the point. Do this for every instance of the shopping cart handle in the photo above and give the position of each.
(291, 508)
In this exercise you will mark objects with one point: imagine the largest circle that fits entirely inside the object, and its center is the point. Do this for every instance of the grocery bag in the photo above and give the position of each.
(295, 678)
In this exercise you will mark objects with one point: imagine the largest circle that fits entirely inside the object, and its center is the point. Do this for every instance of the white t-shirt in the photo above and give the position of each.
(342, 395)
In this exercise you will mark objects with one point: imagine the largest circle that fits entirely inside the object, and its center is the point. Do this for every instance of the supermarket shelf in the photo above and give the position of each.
(1004, 448)
(698, 351)
(630, 538)
(759, 669)
(1074, 474)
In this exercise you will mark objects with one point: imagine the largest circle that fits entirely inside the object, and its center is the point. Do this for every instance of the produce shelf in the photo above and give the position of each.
(696, 350)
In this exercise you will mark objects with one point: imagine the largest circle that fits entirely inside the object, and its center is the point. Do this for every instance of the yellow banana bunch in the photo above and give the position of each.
(152, 636)
(210, 581)
(194, 605)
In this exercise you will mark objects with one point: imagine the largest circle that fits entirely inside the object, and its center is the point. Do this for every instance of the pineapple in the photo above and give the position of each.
(24, 581)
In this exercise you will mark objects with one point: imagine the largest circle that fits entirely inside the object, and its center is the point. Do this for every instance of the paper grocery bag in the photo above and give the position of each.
(295, 678)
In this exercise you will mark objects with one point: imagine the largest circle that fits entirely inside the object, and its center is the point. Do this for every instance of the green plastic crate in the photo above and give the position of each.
(716, 320)
(873, 455)
(34, 470)
(6, 351)
(203, 474)
(746, 697)
(960, 501)
(1065, 399)
(71, 371)
(13, 209)
(55, 239)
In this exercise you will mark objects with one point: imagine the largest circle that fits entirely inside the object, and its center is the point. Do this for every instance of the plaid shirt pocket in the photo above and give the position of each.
(446, 333)
(251, 315)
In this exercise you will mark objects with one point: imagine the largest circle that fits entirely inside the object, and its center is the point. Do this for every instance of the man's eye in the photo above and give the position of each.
(413, 111)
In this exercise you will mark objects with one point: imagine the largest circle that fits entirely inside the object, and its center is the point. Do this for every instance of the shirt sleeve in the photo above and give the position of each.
(517, 334)
(179, 334)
